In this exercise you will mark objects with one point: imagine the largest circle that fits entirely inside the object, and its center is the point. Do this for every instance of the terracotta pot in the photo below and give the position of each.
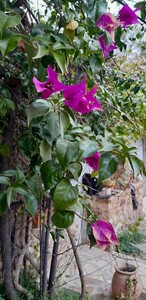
(126, 283)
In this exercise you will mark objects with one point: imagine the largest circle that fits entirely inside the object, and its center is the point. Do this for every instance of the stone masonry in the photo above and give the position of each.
(118, 208)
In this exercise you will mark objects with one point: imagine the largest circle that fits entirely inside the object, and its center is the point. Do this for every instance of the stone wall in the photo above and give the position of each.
(118, 209)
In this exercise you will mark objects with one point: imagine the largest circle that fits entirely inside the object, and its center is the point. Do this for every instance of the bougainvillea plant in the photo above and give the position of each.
(51, 127)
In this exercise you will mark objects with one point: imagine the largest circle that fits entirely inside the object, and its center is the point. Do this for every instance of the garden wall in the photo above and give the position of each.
(118, 209)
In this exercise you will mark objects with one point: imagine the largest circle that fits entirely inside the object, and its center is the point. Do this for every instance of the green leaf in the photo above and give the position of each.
(51, 174)
(69, 33)
(107, 166)
(96, 8)
(75, 169)
(90, 236)
(107, 38)
(63, 219)
(61, 60)
(10, 196)
(20, 176)
(142, 6)
(31, 204)
(36, 109)
(8, 42)
(21, 189)
(8, 21)
(10, 104)
(4, 5)
(5, 180)
(4, 150)
(45, 150)
(137, 165)
(95, 62)
(65, 195)
(59, 45)
(64, 122)
(94, 46)
(9, 173)
(66, 151)
(53, 125)
(34, 183)
(77, 207)
(88, 148)
(42, 51)
(101, 7)
(3, 202)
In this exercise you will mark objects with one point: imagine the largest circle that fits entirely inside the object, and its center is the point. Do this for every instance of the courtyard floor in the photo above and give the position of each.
(99, 266)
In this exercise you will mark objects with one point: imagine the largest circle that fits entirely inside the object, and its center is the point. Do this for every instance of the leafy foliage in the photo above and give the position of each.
(51, 140)
(54, 140)
(128, 240)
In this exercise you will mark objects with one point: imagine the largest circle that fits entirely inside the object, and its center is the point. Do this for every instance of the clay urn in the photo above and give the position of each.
(126, 283)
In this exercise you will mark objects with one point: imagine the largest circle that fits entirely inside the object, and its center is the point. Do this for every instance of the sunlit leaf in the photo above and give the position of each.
(42, 50)
(65, 195)
(10, 196)
(75, 169)
(107, 166)
(60, 59)
(88, 147)
(64, 122)
(36, 109)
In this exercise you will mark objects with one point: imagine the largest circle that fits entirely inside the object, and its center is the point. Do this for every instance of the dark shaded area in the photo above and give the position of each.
(91, 183)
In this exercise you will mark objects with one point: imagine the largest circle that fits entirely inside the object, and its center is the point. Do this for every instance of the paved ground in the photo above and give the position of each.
(99, 266)
(98, 269)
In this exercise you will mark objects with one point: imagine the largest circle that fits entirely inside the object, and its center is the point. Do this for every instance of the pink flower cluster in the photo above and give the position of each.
(76, 96)
(104, 234)
(109, 23)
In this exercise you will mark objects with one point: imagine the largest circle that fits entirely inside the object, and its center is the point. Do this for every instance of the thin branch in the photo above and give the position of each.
(53, 267)
(46, 246)
(32, 261)
(79, 265)
(17, 273)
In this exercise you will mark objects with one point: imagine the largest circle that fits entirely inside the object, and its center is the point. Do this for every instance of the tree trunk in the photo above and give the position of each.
(10, 291)
(6, 163)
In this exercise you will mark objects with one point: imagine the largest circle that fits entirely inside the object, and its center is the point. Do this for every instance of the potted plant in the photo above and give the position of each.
(126, 283)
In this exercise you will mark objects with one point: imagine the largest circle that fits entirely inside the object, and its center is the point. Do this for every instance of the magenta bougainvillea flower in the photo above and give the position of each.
(109, 23)
(106, 49)
(80, 100)
(127, 16)
(104, 234)
(93, 161)
(52, 85)
(73, 93)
